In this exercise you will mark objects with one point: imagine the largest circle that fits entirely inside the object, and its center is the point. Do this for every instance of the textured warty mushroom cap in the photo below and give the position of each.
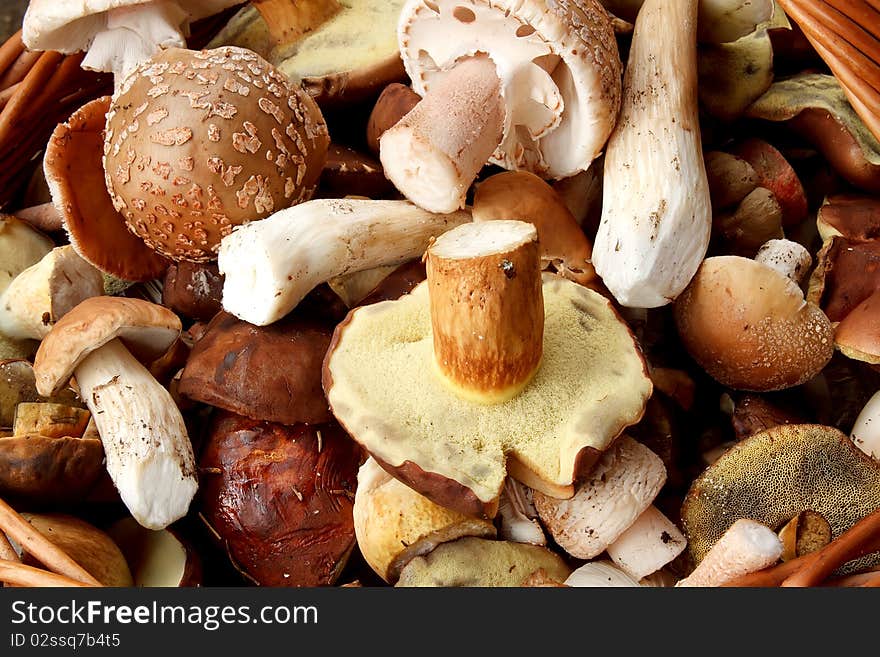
(749, 327)
(70, 25)
(147, 329)
(774, 475)
(199, 142)
(558, 63)
(380, 381)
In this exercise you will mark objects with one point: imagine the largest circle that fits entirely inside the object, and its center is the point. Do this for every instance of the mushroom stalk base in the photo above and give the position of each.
(436, 151)
(149, 455)
(487, 308)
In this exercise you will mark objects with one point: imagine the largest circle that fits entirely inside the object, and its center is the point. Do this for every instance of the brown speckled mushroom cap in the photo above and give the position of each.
(200, 142)
(749, 327)
(147, 329)
(774, 475)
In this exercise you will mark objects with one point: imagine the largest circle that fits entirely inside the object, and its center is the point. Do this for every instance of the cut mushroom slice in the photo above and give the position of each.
(270, 265)
(526, 85)
(148, 452)
(655, 229)
(748, 325)
(453, 385)
(158, 558)
(651, 542)
(394, 524)
(620, 488)
(41, 294)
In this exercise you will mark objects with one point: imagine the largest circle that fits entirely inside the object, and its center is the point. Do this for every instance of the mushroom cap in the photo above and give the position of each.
(857, 335)
(847, 272)
(380, 381)
(268, 373)
(776, 474)
(852, 216)
(749, 327)
(75, 176)
(194, 290)
(147, 329)
(559, 67)
(70, 26)
(198, 142)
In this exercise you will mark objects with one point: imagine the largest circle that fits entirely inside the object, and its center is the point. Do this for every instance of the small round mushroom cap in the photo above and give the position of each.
(75, 176)
(200, 142)
(749, 327)
(775, 475)
(380, 381)
(558, 63)
(857, 335)
(268, 373)
(147, 329)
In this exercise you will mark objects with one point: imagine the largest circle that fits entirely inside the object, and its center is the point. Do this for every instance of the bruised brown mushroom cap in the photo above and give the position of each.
(852, 216)
(858, 334)
(774, 475)
(147, 329)
(268, 373)
(199, 142)
(75, 175)
(847, 272)
(749, 327)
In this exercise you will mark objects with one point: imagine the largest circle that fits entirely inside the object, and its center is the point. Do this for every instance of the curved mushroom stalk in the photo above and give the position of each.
(270, 265)
(656, 210)
(527, 85)
(149, 455)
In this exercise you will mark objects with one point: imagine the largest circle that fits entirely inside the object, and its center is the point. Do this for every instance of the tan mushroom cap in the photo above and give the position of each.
(75, 175)
(749, 327)
(858, 334)
(778, 473)
(198, 142)
(558, 63)
(147, 329)
(381, 385)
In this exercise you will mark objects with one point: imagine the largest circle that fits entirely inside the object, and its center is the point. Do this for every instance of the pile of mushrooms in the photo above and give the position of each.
(442, 293)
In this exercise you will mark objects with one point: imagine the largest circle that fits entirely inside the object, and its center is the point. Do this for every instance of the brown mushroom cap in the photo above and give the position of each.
(193, 289)
(350, 173)
(147, 329)
(200, 142)
(778, 473)
(847, 272)
(849, 215)
(858, 334)
(268, 373)
(280, 498)
(749, 327)
(75, 175)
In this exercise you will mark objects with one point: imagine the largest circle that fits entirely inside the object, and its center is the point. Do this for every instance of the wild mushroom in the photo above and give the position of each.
(656, 211)
(343, 52)
(75, 176)
(747, 546)
(651, 542)
(745, 228)
(523, 196)
(156, 558)
(866, 430)
(349, 173)
(272, 264)
(394, 524)
(600, 573)
(193, 289)
(619, 489)
(148, 452)
(41, 294)
(118, 34)
(776, 474)
(480, 562)
(807, 532)
(395, 102)
(485, 370)
(853, 216)
(847, 272)
(747, 323)
(199, 142)
(775, 173)
(856, 335)
(279, 498)
(518, 517)
(527, 85)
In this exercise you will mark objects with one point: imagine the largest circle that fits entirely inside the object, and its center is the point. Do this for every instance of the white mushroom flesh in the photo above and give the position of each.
(866, 430)
(650, 543)
(518, 515)
(787, 257)
(599, 574)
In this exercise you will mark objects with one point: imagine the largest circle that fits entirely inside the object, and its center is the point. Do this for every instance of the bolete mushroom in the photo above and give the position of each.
(776, 474)
(747, 323)
(118, 34)
(529, 86)
(484, 369)
(394, 524)
(272, 264)
(199, 142)
(656, 210)
(148, 452)
(193, 289)
(279, 498)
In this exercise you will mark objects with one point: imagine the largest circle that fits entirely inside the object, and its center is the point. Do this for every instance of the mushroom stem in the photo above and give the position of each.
(487, 308)
(18, 574)
(149, 455)
(650, 543)
(289, 20)
(786, 257)
(434, 152)
(866, 430)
